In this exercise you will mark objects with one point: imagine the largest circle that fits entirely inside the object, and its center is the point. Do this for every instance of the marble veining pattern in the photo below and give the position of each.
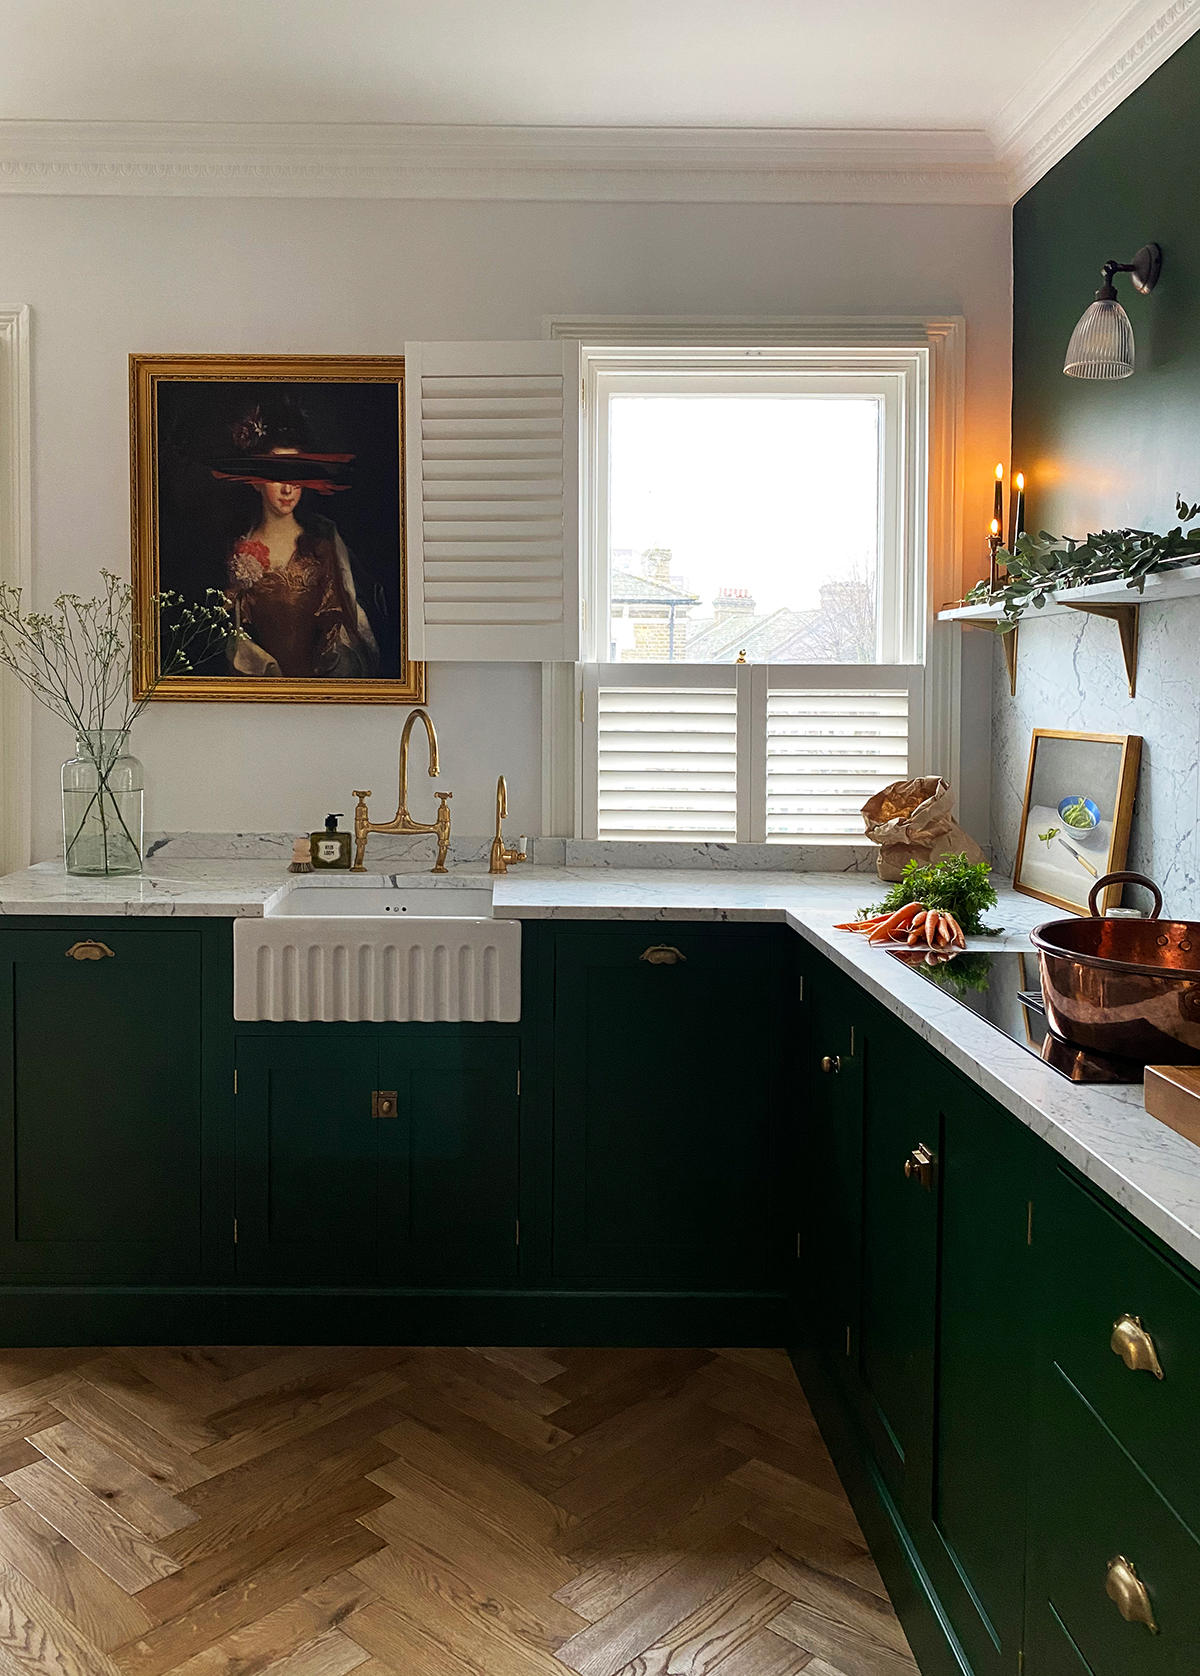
(1148, 1169)
(1070, 675)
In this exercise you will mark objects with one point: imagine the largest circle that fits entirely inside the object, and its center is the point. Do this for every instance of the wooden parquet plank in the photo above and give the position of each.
(835, 1598)
(618, 1473)
(98, 1608)
(129, 1437)
(809, 1461)
(332, 1654)
(146, 1505)
(495, 1492)
(773, 1414)
(532, 1394)
(478, 1641)
(255, 1594)
(25, 1367)
(186, 1376)
(661, 1375)
(821, 1506)
(499, 1414)
(260, 1646)
(814, 1544)
(431, 1410)
(767, 1654)
(849, 1652)
(660, 1500)
(126, 1387)
(401, 1647)
(37, 1640)
(19, 1453)
(97, 1530)
(262, 1426)
(622, 1572)
(272, 1370)
(775, 1364)
(30, 1408)
(608, 1645)
(696, 1646)
(538, 1365)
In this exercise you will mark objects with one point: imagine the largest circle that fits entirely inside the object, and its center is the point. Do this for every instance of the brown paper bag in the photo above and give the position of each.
(910, 820)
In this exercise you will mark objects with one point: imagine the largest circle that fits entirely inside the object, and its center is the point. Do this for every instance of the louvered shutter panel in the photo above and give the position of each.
(492, 469)
(829, 748)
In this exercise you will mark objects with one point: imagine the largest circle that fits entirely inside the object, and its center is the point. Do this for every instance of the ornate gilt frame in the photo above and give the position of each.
(146, 372)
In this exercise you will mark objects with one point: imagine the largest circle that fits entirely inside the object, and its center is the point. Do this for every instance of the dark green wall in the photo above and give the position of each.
(1110, 453)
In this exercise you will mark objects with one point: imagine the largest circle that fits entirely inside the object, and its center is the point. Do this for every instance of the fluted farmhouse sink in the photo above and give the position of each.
(379, 951)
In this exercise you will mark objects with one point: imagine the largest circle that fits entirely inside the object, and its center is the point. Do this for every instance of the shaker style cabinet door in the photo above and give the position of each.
(314, 1162)
(453, 1222)
(100, 1105)
(665, 1046)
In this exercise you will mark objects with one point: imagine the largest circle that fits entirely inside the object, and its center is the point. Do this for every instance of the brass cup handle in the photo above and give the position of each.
(383, 1102)
(1133, 1344)
(832, 1063)
(1132, 1598)
(662, 954)
(919, 1166)
(89, 951)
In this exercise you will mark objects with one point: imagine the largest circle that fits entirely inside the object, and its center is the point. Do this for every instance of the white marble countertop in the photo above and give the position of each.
(1104, 1131)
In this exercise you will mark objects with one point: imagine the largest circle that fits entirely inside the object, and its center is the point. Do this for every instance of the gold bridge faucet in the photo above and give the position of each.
(364, 825)
(501, 856)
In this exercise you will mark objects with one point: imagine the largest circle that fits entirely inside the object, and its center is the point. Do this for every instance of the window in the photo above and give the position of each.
(754, 591)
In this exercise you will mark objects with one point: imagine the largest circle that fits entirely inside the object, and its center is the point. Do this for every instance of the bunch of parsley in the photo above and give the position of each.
(953, 885)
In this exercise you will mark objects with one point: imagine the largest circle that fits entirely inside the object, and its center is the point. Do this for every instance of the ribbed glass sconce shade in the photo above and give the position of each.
(1101, 345)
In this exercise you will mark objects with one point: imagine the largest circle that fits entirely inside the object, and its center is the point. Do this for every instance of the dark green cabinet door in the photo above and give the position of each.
(829, 1170)
(314, 1164)
(900, 1230)
(984, 1362)
(451, 1219)
(664, 1084)
(100, 1106)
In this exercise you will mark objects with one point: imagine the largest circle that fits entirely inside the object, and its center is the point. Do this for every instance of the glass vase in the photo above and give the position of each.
(102, 806)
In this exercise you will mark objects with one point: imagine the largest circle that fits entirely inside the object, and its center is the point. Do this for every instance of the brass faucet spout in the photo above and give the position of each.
(403, 821)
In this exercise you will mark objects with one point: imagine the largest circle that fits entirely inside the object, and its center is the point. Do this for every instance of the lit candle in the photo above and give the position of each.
(998, 513)
(1019, 518)
(993, 548)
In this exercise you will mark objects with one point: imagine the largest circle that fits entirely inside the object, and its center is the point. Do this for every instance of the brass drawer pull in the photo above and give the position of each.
(1133, 1344)
(89, 951)
(662, 954)
(832, 1063)
(383, 1102)
(1125, 1587)
(920, 1166)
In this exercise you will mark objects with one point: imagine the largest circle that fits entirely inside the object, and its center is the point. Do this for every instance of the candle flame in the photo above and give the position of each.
(999, 474)
(995, 527)
(1021, 481)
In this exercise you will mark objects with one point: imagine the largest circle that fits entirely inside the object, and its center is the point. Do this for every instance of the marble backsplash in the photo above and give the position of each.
(1070, 675)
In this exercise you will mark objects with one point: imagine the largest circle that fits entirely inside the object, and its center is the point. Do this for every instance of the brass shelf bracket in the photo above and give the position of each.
(1126, 618)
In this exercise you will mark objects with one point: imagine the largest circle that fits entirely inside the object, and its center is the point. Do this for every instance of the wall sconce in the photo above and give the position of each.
(1101, 345)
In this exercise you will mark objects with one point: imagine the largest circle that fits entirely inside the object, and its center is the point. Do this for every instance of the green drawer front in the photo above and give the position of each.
(1105, 1271)
(1090, 1505)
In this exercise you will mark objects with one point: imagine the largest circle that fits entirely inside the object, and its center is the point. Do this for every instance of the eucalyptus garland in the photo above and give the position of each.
(1043, 563)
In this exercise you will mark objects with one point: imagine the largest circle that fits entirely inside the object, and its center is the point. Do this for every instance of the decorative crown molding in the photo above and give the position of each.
(328, 160)
(1093, 70)
(1114, 49)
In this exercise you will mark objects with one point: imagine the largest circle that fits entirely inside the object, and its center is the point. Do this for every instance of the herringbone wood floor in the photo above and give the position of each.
(310, 1512)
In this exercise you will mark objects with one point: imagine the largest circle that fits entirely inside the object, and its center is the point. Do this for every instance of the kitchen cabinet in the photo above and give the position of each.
(667, 1087)
(385, 1159)
(101, 1104)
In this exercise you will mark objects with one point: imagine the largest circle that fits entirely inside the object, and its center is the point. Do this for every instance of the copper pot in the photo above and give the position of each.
(1128, 987)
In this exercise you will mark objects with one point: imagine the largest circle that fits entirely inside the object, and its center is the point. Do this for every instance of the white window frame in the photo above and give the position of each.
(929, 352)
(16, 570)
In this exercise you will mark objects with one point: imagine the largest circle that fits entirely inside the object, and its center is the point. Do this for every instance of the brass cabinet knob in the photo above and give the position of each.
(832, 1063)
(920, 1165)
(662, 954)
(89, 951)
(1125, 1587)
(1133, 1344)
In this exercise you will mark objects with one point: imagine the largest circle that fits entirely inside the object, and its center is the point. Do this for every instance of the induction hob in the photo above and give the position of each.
(1005, 989)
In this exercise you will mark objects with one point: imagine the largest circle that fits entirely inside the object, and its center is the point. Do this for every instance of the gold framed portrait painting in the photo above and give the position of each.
(1078, 809)
(276, 483)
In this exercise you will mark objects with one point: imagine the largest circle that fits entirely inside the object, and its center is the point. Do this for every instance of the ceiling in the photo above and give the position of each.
(960, 79)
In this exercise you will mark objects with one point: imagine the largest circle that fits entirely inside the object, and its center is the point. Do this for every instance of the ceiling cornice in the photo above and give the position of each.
(1089, 75)
(318, 160)
(1086, 79)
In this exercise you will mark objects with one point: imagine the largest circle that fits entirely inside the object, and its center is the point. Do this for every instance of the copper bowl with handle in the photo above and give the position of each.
(1127, 987)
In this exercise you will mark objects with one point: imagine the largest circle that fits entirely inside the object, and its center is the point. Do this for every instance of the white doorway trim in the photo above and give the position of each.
(16, 570)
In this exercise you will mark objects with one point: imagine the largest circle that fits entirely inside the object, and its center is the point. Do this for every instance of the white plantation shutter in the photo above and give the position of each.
(491, 480)
(830, 746)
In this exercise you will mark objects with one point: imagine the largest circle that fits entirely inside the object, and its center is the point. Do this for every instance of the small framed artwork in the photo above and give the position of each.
(277, 482)
(1075, 822)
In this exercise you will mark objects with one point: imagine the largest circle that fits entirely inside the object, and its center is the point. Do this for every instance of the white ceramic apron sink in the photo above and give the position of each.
(379, 952)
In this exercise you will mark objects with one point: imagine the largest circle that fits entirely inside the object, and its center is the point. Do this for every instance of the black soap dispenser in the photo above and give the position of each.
(330, 850)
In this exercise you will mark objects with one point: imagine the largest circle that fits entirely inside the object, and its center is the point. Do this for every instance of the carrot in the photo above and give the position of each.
(931, 924)
(896, 922)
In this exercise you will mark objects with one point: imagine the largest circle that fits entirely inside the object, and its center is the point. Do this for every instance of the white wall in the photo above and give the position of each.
(107, 276)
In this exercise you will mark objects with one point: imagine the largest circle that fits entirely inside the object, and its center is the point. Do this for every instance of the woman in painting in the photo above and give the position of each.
(289, 575)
